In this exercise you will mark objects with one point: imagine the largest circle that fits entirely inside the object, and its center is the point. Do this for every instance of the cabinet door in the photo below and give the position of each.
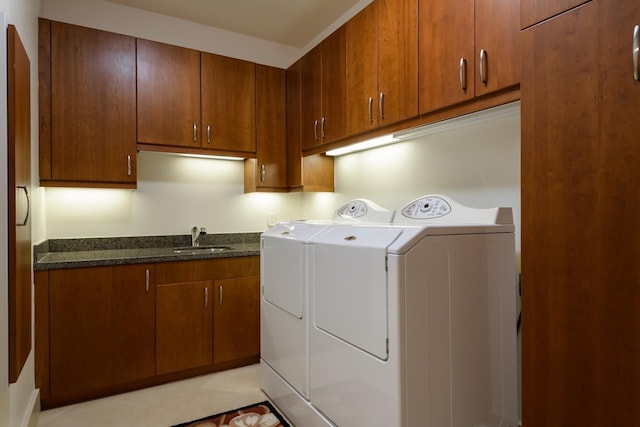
(168, 95)
(228, 104)
(447, 58)
(93, 105)
(236, 319)
(102, 328)
(310, 173)
(184, 326)
(534, 11)
(19, 176)
(333, 124)
(497, 45)
(269, 171)
(398, 57)
(311, 93)
(580, 224)
(362, 70)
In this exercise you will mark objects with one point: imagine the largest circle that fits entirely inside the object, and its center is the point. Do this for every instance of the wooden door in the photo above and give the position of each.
(362, 70)
(19, 178)
(102, 328)
(184, 326)
(269, 170)
(333, 124)
(534, 11)
(236, 319)
(398, 60)
(447, 56)
(311, 82)
(168, 91)
(497, 31)
(228, 104)
(93, 105)
(580, 224)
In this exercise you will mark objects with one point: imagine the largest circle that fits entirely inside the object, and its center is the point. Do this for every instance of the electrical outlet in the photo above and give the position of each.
(272, 220)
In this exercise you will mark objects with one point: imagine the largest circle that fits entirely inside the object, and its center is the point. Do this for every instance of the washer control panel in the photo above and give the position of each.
(426, 208)
(353, 209)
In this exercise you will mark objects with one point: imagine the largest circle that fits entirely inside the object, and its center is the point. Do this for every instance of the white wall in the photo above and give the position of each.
(17, 400)
(174, 193)
(477, 165)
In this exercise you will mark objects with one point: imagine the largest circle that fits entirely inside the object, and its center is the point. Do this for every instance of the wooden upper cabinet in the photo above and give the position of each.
(228, 96)
(497, 45)
(269, 171)
(168, 95)
(398, 60)
(324, 91)
(382, 65)
(467, 49)
(309, 173)
(333, 123)
(87, 106)
(534, 11)
(362, 70)
(311, 93)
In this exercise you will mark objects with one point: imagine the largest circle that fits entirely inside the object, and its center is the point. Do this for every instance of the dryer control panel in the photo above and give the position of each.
(426, 208)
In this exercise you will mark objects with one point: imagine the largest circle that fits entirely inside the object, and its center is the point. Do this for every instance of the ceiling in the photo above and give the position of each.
(289, 22)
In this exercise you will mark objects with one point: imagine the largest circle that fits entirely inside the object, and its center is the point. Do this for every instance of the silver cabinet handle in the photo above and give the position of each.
(463, 74)
(322, 128)
(146, 280)
(636, 52)
(208, 134)
(206, 297)
(381, 105)
(370, 109)
(263, 173)
(483, 66)
(315, 130)
(220, 300)
(195, 132)
(128, 165)
(26, 216)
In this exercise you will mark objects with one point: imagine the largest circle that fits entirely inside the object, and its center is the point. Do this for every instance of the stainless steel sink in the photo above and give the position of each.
(200, 249)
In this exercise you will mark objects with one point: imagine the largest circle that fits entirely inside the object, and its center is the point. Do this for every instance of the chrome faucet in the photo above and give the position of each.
(195, 235)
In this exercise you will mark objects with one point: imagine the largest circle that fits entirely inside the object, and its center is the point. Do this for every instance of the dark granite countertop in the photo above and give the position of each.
(93, 252)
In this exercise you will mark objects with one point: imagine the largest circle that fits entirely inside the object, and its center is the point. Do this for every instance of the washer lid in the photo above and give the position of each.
(296, 230)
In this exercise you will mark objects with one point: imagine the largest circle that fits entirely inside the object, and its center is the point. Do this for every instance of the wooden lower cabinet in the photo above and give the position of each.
(183, 326)
(101, 328)
(105, 330)
(236, 319)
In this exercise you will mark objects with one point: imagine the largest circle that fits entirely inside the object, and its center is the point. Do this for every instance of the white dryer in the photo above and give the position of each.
(414, 323)
(284, 313)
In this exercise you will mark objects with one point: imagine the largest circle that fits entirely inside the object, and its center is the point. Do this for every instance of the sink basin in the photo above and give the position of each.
(200, 249)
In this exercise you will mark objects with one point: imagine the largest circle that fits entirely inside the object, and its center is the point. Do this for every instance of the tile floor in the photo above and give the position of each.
(164, 405)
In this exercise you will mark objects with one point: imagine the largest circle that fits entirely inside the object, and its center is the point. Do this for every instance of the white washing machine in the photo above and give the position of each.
(284, 315)
(413, 323)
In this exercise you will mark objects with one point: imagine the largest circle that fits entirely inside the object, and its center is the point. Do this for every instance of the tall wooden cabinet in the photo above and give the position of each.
(308, 173)
(580, 222)
(324, 91)
(268, 172)
(19, 212)
(382, 65)
(468, 49)
(87, 106)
